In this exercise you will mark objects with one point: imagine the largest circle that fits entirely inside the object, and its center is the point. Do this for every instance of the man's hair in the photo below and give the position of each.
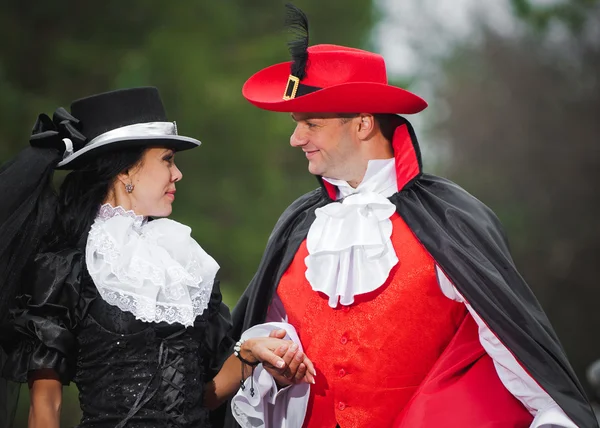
(346, 117)
(387, 122)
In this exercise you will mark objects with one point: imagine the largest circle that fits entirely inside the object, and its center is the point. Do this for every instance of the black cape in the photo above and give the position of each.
(467, 241)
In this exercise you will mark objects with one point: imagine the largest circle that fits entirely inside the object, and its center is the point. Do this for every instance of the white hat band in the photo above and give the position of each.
(147, 129)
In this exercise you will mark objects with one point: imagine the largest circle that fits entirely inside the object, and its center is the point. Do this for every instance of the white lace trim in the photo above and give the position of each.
(154, 270)
(349, 243)
(107, 211)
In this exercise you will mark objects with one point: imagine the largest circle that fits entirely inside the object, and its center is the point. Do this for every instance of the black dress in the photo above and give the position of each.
(129, 373)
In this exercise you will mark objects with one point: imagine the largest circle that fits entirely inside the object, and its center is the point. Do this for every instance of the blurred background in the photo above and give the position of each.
(514, 117)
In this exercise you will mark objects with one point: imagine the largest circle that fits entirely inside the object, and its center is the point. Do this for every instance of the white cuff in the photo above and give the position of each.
(269, 407)
(552, 417)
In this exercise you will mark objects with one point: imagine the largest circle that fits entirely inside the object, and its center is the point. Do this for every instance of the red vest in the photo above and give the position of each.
(371, 357)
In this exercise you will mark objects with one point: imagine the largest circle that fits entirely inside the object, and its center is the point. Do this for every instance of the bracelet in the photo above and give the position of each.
(237, 352)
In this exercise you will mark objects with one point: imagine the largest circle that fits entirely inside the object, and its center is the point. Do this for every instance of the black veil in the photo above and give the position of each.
(28, 206)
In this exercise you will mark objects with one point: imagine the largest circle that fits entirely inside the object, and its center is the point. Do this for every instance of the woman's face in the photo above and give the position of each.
(153, 181)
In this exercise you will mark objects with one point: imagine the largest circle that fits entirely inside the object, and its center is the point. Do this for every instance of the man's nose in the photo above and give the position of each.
(298, 139)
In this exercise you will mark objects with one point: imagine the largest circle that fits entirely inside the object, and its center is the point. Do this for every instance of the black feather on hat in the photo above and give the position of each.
(297, 23)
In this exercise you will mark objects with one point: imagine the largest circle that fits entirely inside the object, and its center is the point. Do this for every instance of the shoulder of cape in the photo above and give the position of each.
(303, 202)
(456, 206)
(449, 191)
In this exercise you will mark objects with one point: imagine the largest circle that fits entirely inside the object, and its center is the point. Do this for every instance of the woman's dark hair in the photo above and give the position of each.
(34, 218)
(82, 193)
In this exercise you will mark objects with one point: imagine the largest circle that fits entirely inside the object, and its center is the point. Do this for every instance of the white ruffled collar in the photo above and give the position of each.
(349, 243)
(154, 270)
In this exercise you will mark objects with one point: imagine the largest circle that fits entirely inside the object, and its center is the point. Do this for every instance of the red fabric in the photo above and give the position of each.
(407, 165)
(463, 390)
(331, 190)
(372, 356)
(352, 81)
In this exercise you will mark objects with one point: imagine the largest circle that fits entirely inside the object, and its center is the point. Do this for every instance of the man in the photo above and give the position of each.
(397, 284)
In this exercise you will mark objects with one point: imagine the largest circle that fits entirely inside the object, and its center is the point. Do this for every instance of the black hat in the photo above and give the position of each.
(113, 120)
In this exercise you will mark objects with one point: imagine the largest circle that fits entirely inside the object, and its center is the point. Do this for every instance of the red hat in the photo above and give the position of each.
(337, 79)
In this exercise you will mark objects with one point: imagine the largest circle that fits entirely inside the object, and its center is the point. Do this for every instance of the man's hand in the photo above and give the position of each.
(297, 366)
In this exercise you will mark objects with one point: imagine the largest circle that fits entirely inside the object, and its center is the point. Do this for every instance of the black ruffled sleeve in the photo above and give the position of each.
(217, 329)
(40, 330)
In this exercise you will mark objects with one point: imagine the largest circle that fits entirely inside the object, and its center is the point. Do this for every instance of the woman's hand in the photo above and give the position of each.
(281, 358)
(284, 361)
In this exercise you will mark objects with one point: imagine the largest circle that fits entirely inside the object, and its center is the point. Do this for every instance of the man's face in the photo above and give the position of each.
(329, 144)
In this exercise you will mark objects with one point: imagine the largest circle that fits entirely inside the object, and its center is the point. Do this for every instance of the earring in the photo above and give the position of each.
(129, 187)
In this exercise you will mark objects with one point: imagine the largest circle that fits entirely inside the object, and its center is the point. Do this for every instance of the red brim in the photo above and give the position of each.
(265, 89)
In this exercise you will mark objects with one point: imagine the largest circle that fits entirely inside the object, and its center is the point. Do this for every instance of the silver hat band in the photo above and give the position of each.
(137, 130)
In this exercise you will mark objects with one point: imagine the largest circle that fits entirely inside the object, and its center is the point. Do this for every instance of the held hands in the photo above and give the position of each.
(281, 358)
(297, 367)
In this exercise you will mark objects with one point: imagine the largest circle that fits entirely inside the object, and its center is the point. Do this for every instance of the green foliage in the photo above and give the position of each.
(198, 54)
(571, 12)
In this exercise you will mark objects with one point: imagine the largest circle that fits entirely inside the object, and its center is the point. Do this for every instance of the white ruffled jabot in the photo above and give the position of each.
(349, 243)
(154, 270)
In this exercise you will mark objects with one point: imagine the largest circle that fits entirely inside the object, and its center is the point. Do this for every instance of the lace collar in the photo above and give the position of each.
(107, 211)
(349, 243)
(154, 270)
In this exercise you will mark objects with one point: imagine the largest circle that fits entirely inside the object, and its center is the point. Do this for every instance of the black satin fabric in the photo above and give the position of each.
(129, 373)
(468, 243)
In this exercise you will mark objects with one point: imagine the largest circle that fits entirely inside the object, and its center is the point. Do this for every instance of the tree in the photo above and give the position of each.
(573, 13)
(521, 129)
(199, 55)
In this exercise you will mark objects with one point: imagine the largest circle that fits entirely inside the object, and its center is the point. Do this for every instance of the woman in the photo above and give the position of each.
(126, 307)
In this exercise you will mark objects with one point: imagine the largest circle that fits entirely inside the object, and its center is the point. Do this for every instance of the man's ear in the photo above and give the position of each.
(366, 126)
